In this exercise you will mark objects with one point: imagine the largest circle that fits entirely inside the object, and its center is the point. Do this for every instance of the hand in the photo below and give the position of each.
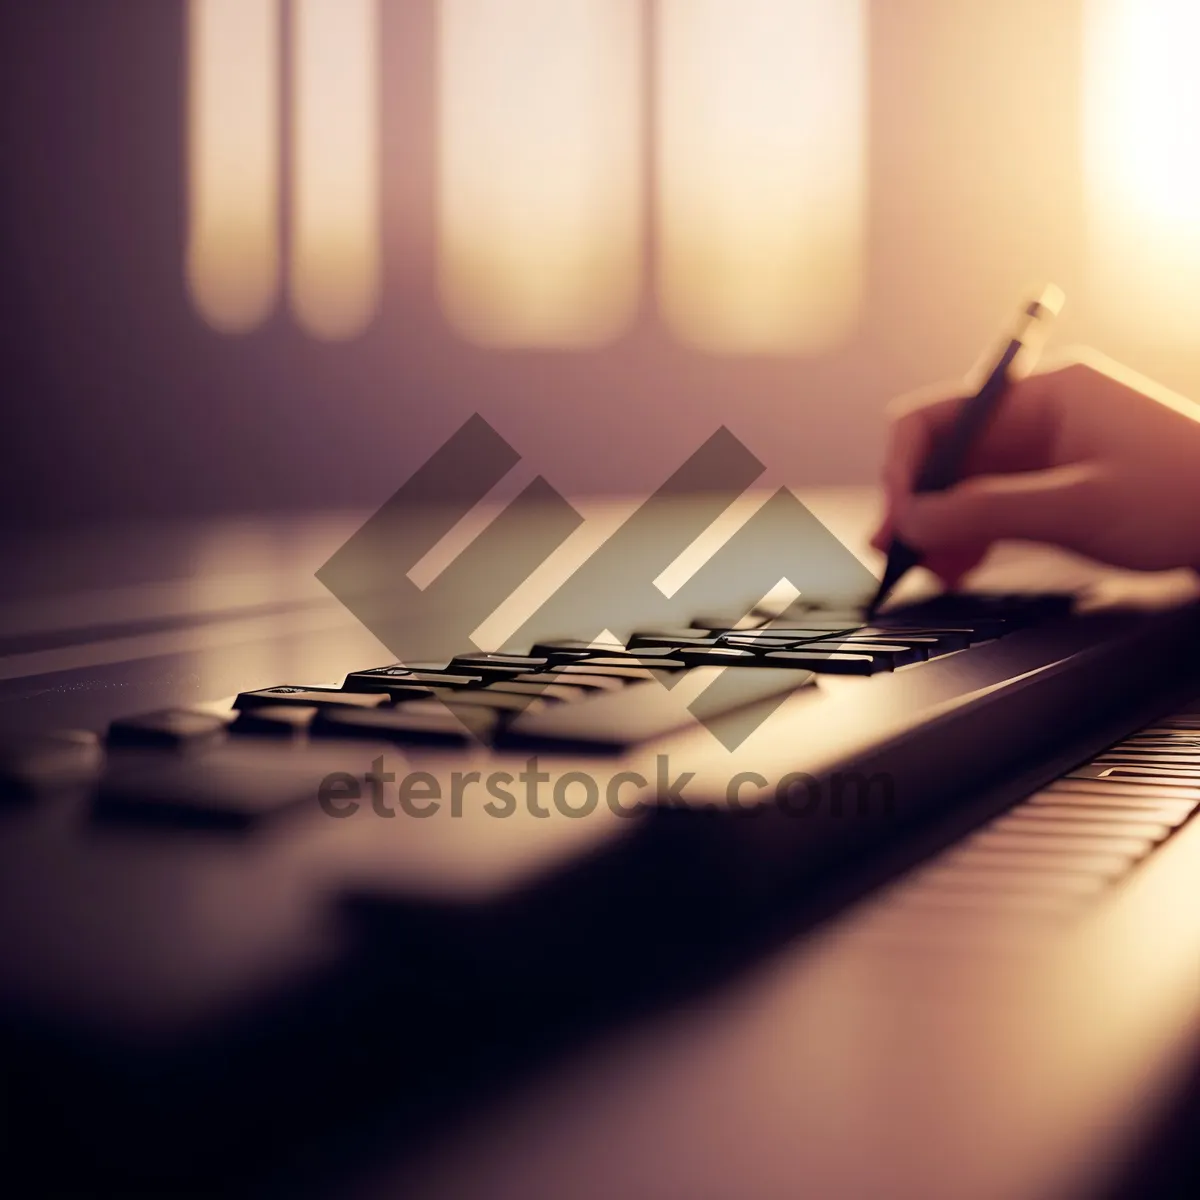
(1087, 455)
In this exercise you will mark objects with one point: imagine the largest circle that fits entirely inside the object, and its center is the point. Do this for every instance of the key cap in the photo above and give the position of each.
(561, 692)
(1109, 865)
(980, 628)
(723, 624)
(1157, 745)
(623, 675)
(893, 655)
(940, 640)
(646, 662)
(826, 662)
(170, 729)
(878, 656)
(489, 665)
(1119, 790)
(1054, 843)
(389, 679)
(1162, 775)
(642, 712)
(771, 639)
(597, 683)
(431, 727)
(43, 762)
(310, 696)
(830, 662)
(641, 641)
(685, 632)
(1126, 758)
(233, 787)
(275, 721)
(984, 878)
(817, 622)
(1160, 813)
(717, 656)
(1189, 721)
(568, 648)
(497, 702)
(917, 898)
(608, 653)
(1040, 826)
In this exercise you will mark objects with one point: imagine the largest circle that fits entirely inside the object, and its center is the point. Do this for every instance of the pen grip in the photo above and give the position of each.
(944, 464)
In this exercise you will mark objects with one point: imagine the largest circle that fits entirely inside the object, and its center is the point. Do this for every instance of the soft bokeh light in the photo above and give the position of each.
(233, 160)
(761, 142)
(539, 169)
(1142, 165)
(335, 251)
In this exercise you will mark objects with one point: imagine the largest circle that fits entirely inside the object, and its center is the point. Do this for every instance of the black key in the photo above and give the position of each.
(1132, 758)
(826, 662)
(943, 640)
(232, 787)
(170, 729)
(715, 656)
(276, 720)
(728, 622)
(1119, 790)
(614, 652)
(896, 656)
(497, 664)
(641, 641)
(642, 712)
(435, 726)
(1167, 736)
(1170, 775)
(308, 696)
(569, 648)
(801, 626)
(831, 662)
(43, 762)
(622, 674)
(648, 659)
(498, 702)
(772, 639)
(597, 683)
(384, 680)
(678, 632)
(562, 692)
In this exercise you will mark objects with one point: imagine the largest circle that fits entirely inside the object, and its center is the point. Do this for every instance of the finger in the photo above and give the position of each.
(1020, 436)
(1056, 505)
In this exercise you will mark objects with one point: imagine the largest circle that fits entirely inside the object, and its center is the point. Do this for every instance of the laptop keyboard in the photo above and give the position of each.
(560, 696)
(235, 956)
(565, 695)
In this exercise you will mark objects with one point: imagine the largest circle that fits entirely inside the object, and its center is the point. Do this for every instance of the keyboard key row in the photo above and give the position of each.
(1048, 857)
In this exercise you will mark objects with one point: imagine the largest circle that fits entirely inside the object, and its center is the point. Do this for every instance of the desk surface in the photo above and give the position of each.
(835, 1067)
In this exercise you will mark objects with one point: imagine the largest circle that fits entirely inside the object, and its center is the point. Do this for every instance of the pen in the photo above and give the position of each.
(943, 466)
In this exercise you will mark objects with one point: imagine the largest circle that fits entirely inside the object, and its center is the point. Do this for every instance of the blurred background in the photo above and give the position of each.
(269, 254)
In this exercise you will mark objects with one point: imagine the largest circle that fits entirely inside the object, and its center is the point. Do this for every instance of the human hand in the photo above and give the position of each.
(1087, 455)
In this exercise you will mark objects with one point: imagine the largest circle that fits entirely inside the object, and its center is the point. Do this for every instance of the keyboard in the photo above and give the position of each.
(217, 917)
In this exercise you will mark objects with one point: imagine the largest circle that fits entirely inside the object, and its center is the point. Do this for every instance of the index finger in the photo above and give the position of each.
(1019, 437)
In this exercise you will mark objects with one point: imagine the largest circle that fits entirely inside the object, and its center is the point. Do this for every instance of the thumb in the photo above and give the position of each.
(1056, 505)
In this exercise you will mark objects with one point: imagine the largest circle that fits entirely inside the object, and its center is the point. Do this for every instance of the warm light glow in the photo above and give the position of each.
(335, 251)
(1142, 158)
(539, 172)
(233, 151)
(761, 133)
